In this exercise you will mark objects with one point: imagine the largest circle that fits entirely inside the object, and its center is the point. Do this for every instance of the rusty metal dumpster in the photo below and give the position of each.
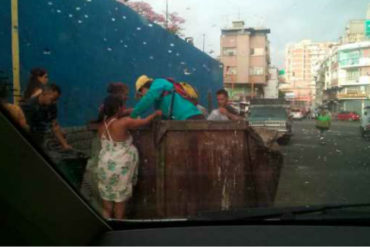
(188, 167)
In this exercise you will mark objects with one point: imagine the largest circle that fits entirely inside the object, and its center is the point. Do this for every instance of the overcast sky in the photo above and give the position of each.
(289, 20)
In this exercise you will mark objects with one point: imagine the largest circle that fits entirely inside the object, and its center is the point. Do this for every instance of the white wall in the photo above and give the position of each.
(272, 88)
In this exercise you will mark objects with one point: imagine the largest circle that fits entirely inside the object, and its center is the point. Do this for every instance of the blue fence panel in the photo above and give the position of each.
(86, 44)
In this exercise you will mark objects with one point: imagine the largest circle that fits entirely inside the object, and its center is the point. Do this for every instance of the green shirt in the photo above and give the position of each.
(323, 121)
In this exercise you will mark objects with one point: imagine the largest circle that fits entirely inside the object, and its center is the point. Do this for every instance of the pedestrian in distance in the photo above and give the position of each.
(323, 123)
(118, 158)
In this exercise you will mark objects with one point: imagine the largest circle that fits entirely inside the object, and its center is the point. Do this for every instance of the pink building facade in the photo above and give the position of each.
(245, 55)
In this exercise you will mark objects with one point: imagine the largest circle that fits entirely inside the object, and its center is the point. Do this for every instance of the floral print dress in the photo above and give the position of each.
(117, 167)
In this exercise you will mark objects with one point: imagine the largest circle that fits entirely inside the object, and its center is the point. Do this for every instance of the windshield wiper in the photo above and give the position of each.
(273, 214)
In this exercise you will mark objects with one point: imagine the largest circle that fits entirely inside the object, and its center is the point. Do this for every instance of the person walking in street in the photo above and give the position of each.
(118, 157)
(162, 95)
(323, 123)
(225, 111)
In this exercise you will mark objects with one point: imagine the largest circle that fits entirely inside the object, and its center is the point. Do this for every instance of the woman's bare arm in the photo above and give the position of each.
(132, 123)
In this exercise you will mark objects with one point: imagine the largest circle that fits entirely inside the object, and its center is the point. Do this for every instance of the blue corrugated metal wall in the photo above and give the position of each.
(85, 44)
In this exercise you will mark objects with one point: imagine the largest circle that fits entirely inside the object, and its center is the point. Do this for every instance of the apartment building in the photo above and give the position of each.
(344, 77)
(245, 55)
(301, 65)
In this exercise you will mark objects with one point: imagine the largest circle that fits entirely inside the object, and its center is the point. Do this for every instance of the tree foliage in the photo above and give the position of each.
(173, 24)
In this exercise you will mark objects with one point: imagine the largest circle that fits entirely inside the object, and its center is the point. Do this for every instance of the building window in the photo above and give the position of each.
(257, 51)
(229, 52)
(348, 58)
(257, 71)
(231, 70)
(353, 75)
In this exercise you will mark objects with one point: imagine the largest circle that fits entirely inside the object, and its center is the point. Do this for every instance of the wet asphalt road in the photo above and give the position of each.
(337, 172)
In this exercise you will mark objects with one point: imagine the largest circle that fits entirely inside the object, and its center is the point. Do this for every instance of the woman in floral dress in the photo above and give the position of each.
(118, 157)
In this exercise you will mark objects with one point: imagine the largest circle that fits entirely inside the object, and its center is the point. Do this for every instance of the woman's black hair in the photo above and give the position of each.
(33, 82)
(112, 105)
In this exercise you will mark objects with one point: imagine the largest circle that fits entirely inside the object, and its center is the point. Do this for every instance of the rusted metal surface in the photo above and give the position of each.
(193, 166)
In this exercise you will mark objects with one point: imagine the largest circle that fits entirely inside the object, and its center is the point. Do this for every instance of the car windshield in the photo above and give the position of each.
(267, 112)
(145, 108)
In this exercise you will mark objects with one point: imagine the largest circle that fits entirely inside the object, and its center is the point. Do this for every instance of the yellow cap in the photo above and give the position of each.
(141, 81)
(190, 90)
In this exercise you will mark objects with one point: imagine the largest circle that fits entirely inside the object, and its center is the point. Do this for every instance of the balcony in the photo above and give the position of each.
(362, 62)
(362, 80)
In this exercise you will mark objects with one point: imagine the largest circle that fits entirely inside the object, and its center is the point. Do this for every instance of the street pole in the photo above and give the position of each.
(166, 14)
(204, 41)
(15, 52)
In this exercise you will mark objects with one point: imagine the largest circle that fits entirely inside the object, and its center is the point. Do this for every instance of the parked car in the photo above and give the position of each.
(296, 114)
(348, 116)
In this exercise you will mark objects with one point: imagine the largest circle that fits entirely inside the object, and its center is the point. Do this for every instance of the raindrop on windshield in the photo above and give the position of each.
(170, 51)
(124, 17)
(144, 43)
(46, 52)
(50, 3)
(125, 46)
(88, 1)
(86, 16)
(121, 41)
(79, 21)
(59, 11)
(150, 25)
(138, 28)
(172, 44)
(78, 8)
(183, 63)
(151, 58)
(109, 49)
(187, 72)
(113, 19)
(177, 54)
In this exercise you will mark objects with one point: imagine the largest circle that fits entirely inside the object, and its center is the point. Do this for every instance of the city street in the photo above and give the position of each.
(338, 172)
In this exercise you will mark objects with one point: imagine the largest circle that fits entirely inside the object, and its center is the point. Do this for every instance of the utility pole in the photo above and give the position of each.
(204, 41)
(166, 14)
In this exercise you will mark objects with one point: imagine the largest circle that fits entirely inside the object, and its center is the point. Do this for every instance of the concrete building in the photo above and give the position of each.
(354, 32)
(357, 30)
(344, 77)
(272, 87)
(301, 65)
(245, 54)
